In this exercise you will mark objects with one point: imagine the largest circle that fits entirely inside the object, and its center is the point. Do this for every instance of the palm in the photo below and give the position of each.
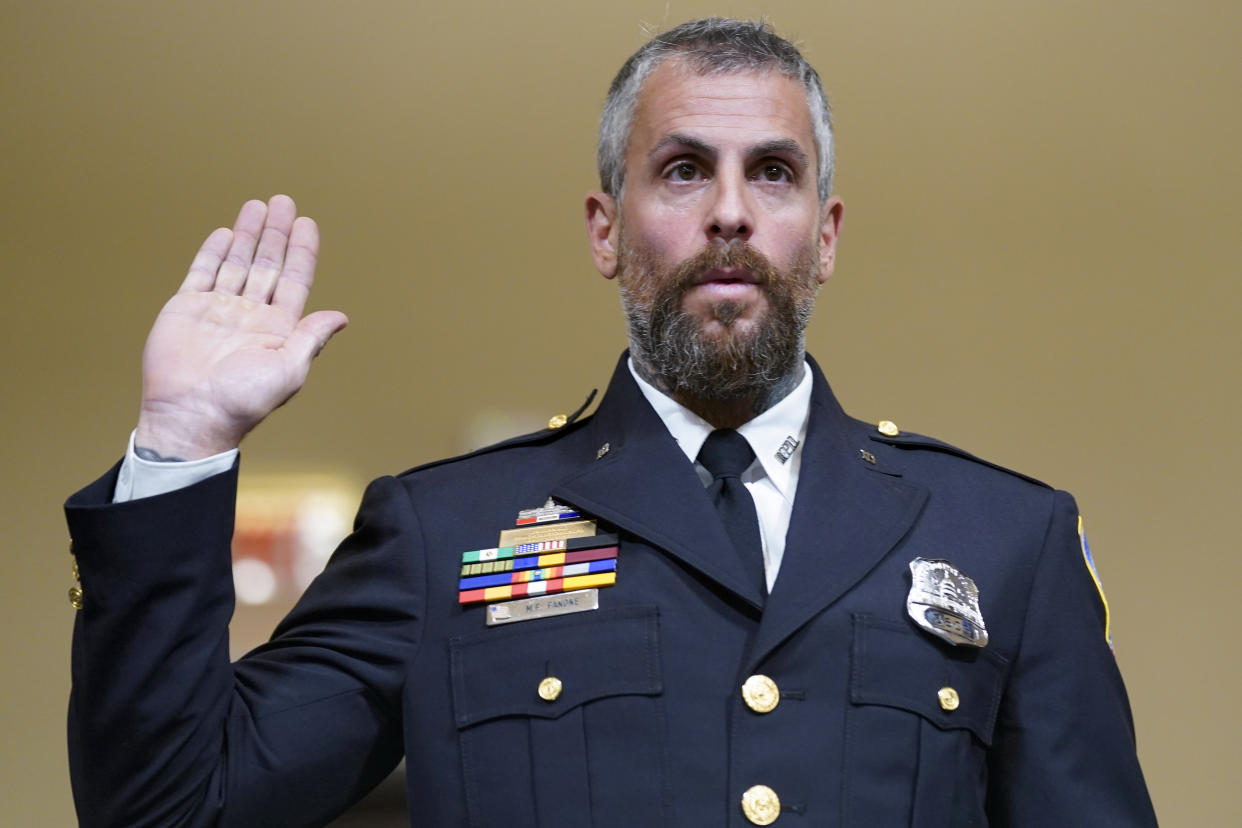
(220, 355)
(232, 345)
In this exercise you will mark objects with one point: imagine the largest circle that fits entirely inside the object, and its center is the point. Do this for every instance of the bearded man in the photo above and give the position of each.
(738, 605)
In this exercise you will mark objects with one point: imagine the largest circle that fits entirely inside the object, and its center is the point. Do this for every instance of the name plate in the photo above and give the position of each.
(544, 606)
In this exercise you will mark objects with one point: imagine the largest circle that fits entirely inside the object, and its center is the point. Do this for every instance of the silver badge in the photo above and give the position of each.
(945, 602)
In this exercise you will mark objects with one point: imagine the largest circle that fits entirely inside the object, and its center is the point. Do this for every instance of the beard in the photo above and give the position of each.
(674, 350)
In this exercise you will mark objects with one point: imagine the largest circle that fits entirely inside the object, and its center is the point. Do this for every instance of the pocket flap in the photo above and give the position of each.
(896, 666)
(606, 652)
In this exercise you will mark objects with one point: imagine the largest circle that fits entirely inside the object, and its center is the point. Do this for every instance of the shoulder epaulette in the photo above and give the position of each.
(558, 426)
(888, 433)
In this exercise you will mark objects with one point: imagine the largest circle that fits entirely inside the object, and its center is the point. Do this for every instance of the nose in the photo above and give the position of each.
(731, 214)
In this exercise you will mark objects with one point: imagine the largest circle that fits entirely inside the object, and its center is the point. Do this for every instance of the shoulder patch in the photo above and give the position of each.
(910, 440)
(1095, 576)
(536, 438)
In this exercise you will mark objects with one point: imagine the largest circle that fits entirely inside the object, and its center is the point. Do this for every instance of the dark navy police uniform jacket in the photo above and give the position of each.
(650, 728)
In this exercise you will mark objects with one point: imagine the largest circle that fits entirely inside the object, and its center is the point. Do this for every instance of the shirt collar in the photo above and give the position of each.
(768, 434)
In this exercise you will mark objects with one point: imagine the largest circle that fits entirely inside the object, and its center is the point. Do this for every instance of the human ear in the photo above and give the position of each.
(602, 227)
(829, 232)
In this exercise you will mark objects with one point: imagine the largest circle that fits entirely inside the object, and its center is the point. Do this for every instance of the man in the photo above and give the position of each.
(778, 613)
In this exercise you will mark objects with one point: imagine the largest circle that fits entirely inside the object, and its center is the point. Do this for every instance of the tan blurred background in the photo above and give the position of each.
(1039, 263)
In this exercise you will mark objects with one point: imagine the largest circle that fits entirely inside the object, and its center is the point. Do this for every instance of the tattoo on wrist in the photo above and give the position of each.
(154, 456)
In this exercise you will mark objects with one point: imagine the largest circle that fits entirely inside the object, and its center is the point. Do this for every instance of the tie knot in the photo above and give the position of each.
(726, 453)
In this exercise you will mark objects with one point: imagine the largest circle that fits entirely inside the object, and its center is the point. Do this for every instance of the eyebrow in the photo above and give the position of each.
(777, 146)
(681, 140)
(782, 146)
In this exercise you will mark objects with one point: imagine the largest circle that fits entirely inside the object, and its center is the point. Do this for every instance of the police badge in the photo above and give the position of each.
(945, 602)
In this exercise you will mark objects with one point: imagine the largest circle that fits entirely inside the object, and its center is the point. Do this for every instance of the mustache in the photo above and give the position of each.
(737, 254)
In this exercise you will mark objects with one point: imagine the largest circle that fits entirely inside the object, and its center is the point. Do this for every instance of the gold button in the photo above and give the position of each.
(550, 689)
(761, 694)
(949, 699)
(761, 805)
(558, 421)
(888, 428)
(75, 597)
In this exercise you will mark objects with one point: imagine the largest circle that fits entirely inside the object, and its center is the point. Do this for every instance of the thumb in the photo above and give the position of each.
(312, 333)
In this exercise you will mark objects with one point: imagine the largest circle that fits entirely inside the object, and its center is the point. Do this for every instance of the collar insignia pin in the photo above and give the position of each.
(787, 449)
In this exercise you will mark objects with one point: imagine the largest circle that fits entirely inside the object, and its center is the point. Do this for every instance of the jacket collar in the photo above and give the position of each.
(643, 482)
(846, 516)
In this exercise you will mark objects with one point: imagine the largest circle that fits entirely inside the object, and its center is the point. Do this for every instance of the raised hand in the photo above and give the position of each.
(232, 345)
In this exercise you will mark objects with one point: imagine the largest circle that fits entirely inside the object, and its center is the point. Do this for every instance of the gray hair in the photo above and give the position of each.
(709, 46)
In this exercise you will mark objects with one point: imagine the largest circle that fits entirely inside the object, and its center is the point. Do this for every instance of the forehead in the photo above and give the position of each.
(723, 108)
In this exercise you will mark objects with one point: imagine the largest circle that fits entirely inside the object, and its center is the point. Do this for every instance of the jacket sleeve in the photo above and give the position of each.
(1065, 750)
(163, 730)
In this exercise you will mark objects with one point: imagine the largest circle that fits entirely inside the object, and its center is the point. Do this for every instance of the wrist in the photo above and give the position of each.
(162, 437)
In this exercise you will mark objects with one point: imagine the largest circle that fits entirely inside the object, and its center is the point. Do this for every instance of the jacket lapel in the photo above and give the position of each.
(644, 484)
(847, 516)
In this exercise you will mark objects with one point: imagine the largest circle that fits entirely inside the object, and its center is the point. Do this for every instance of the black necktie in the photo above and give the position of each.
(725, 455)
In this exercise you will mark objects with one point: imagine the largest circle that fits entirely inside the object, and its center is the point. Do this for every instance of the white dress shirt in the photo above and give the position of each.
(776, 433)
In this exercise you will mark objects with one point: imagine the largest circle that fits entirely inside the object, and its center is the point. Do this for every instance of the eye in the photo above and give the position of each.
(775, 172)
(684, 171)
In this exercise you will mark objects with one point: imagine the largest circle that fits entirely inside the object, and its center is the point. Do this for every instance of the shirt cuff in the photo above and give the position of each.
(146, 478)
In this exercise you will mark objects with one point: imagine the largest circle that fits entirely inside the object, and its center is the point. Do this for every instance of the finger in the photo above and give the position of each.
(206, 262)
(232, 273)
(312, 333)
(269, 256)
(298, 274)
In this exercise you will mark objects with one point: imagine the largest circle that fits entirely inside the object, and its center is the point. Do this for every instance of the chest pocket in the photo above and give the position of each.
(560, 720)
(922, 714)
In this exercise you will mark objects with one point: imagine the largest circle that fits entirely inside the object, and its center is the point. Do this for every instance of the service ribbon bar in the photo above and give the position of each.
(565, 545)
(532, 562)
(545, 573)
(551, 587)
